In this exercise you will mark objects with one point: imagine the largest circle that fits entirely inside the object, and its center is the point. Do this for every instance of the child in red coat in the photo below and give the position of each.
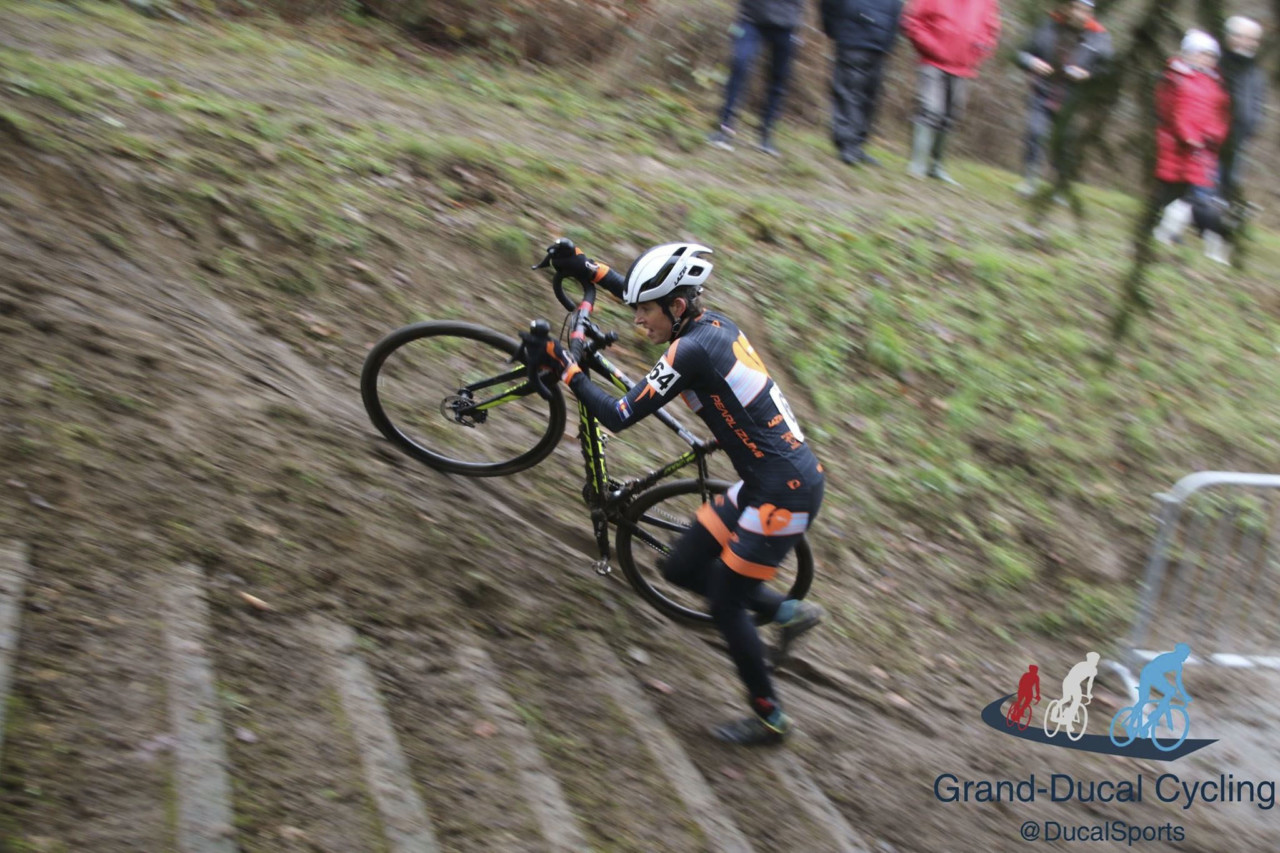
(1194, 114)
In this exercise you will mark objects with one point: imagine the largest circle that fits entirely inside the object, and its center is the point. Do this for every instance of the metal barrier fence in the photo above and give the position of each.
(1213, 576)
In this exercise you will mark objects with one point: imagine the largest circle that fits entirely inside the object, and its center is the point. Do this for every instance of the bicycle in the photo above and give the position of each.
(1075, 726)
(490, 400)
(1019, 715)
(1137, 725)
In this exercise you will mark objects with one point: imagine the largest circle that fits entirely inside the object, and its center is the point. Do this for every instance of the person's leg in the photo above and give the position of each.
(955, 94)
(843, 103)
(1063, 145)
(1039, 123)
(930, 114)
(727, 594)
(781, 41)
(1174, 211)
(857, 67)
(691, 559)
(1209, 215)
(746, 44)
(872, 77)
(1229, 168)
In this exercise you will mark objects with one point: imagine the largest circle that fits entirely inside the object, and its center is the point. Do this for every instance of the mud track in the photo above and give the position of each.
(246, 623)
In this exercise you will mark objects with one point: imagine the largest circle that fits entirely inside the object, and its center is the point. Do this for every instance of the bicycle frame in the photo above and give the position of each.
(608, 499)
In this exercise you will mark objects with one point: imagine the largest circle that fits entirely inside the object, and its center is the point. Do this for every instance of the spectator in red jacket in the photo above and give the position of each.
(1194, 114)
(953, 38)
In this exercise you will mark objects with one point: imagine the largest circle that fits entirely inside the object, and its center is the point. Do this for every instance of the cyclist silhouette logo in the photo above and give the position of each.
(1155, 727)
(1070, 712)
(1020, 711)
(1165, 724)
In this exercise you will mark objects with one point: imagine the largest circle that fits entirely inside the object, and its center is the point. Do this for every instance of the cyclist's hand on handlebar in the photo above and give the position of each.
(575, 265)
(545, 355)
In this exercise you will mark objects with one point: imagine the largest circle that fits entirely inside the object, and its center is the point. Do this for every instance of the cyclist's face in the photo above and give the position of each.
(654, 321)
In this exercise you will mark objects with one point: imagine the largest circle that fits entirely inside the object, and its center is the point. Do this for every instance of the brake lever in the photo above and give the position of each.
(562, 246)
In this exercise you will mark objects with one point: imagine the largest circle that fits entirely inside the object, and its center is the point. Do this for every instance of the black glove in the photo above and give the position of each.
(573, 264)
(545, 357)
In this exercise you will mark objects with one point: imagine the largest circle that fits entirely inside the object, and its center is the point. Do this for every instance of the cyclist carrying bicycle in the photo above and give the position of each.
(742, 536)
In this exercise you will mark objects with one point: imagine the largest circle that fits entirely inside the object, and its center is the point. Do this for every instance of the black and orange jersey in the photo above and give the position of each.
(717, 372)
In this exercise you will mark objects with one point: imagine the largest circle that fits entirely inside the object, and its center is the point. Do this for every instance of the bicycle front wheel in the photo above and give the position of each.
(1075, 730)
(1169, 733)
(654, 522)
(447, 394)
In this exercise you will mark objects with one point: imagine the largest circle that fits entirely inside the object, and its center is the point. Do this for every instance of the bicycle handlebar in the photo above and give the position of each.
(564, 248)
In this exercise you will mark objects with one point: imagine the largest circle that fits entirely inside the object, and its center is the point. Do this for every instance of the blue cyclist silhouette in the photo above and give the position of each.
(1148, 715)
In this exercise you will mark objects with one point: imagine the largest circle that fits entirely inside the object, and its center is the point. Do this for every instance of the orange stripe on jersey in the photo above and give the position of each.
(670, 355)
(707, 518)
(759, 571)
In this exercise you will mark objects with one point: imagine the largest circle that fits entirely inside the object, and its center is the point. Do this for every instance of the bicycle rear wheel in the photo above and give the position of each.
(656, 519)
(1075, 729)
(1051, 716)
(447, 394)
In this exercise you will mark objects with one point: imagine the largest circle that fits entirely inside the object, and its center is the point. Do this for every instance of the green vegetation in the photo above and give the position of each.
(946, 360)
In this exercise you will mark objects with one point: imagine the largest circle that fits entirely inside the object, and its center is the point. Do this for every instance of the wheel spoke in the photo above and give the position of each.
(419, 386)
(658, 518)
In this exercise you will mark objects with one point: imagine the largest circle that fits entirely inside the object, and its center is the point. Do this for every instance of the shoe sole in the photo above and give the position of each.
(774, 739)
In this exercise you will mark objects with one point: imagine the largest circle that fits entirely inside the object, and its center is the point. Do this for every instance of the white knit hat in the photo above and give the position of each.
(1198, 41)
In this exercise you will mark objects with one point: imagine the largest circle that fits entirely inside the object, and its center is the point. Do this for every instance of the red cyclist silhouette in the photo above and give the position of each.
(1020, 711)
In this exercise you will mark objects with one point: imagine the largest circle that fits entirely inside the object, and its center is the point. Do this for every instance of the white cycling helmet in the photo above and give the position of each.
(664, 268)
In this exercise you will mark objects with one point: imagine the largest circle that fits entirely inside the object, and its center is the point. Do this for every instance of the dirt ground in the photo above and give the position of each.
(152, 417)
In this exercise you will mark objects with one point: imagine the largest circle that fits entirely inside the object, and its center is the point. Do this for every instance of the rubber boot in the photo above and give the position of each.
(921, 146)
(1177, 216)
(1030, 181)
(936, 170)
(1216, 248)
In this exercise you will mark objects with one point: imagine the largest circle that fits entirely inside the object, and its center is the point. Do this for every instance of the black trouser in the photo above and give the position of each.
(1040, 120)
(737, 542)
(695, 564)
(1043, 131)
(1231, 165)
(855, 90)
(747, 40)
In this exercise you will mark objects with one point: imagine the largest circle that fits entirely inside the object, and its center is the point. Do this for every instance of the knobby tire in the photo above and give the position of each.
(504, 348)
(641, 518)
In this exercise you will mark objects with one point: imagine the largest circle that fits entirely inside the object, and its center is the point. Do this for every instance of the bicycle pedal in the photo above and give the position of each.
(602, 567)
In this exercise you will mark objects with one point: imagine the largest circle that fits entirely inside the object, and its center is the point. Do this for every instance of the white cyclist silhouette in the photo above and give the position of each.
(1077, 691)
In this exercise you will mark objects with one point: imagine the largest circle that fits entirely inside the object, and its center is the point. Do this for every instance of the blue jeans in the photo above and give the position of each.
(747, 39)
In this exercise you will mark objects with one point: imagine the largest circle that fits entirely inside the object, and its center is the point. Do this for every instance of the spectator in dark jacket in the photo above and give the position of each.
(1247, 83)
(864, 32)
(1069, 47)
(953, 38)
(771, 22)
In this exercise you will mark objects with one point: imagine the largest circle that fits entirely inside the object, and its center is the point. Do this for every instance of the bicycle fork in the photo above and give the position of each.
(592, 442)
